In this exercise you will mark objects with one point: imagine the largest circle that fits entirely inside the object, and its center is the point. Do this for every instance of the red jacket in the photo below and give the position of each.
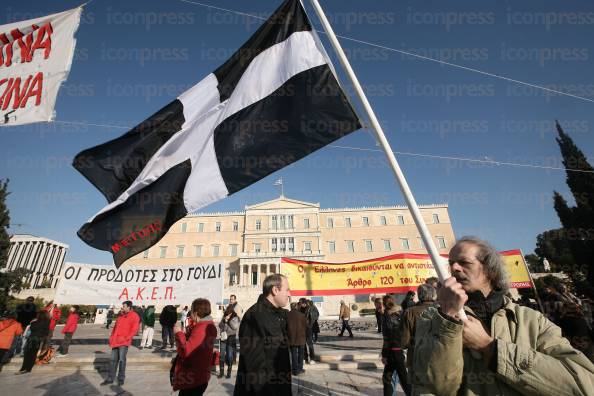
(55, 315)
(194, 354)
(71, 323)
(125, 329)
(8, 329)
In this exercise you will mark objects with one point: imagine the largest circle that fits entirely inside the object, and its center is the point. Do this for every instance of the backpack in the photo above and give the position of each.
(46, 356)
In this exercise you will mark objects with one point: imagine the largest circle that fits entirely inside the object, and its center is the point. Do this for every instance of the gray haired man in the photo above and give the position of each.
(501, 348)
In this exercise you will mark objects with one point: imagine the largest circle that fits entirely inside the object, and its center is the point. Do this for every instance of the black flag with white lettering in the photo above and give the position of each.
(273, 102)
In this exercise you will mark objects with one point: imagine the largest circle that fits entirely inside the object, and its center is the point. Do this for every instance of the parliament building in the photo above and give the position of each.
(252, 242)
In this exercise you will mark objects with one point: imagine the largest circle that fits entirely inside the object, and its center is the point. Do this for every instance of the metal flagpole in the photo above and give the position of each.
(439, 263)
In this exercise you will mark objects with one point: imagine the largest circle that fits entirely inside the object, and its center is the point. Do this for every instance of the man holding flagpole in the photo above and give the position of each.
(501, 348)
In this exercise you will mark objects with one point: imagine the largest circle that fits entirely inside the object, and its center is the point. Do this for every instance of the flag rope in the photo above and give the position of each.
(471, 69)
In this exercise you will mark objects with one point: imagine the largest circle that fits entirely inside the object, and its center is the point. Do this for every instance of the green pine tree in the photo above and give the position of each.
(4, 224)
(577, 234)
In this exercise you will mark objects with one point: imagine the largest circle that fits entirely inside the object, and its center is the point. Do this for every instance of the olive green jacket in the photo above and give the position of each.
(532, 358)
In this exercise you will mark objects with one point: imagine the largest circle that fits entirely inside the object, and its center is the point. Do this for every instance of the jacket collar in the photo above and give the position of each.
(508, 309)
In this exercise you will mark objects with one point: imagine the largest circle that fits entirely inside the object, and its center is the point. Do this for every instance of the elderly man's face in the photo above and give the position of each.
(467, 269)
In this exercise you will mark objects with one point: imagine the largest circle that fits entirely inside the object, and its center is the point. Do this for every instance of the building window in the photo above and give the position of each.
(435, 218)
(257, 247)
(421, 243)
(218, 226)
(347, 222)
(369, 245)
(200, 227)
(387, 245)
(307, 247)
(290, 220)
(162, 251)
(198, 250)
(365, 221)
(404, 243)
(383, 220)
(232, 250)
(216, 250)
(180, 251)
(184, 227)
(283, 244)
(282, 222)
(258, 225)
(332, 247)
(441, 242)
(400, 220)
(291, 244)
(274, 221)
(145, 254)
(254, 278)
(235, 226)
(274, 246)
(330, 222)
(306, 223)
(350, 246)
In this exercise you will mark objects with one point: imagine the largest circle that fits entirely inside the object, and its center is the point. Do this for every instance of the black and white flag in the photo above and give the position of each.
(273, 102)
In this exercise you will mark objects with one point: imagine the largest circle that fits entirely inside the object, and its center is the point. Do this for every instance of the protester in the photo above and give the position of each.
(312, 314)
(575, 328)
(379, 313)
(427, 295)
(315, 330)
(38, 332)
(236, 307)
(110, 316)
(168, 319)
(501, 348)
(124, 330)
(183, 318)
(229, 326)
(433, 281)
(345, 315)
(296, 329)
(10, 328)
(148, 321)
(194, 351)
(392, 353)
(55, 315)
(264, 363)
(69, 329)
(409, 301)
(25, 314)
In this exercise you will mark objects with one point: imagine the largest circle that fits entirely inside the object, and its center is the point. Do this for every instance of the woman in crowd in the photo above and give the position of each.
(194, 351)
(9, 329)
(69, 329)
(39, 331)
(229, 326)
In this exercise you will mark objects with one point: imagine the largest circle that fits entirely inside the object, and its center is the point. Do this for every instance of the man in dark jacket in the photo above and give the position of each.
(311, 314)
(25, 314)
(296, 329)
(392, 353)
(168, 319)
(264, 364)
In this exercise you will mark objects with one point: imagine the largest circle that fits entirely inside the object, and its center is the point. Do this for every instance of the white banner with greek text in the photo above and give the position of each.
(87, 284)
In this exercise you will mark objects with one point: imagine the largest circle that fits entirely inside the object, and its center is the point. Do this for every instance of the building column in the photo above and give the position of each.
(240, 275)
(258, 275)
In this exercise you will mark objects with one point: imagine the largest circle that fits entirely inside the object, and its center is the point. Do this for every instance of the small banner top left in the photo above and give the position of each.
(35, 59)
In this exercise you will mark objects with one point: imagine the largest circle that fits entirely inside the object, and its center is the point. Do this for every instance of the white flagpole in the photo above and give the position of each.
(439, 262)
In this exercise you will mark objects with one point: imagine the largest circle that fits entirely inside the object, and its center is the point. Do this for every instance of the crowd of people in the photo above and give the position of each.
(462, 336)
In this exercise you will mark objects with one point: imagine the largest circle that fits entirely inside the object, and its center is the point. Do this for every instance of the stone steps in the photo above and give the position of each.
(366, 361)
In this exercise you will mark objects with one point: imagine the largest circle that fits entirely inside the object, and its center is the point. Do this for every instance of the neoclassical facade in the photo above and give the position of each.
(252, 242)
(42, 256)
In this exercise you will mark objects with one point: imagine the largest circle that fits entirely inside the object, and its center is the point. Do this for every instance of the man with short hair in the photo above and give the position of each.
(264, 363)
(236, 307)
(25, 314)
(501, 348)
(124, 330)
(311, 314)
